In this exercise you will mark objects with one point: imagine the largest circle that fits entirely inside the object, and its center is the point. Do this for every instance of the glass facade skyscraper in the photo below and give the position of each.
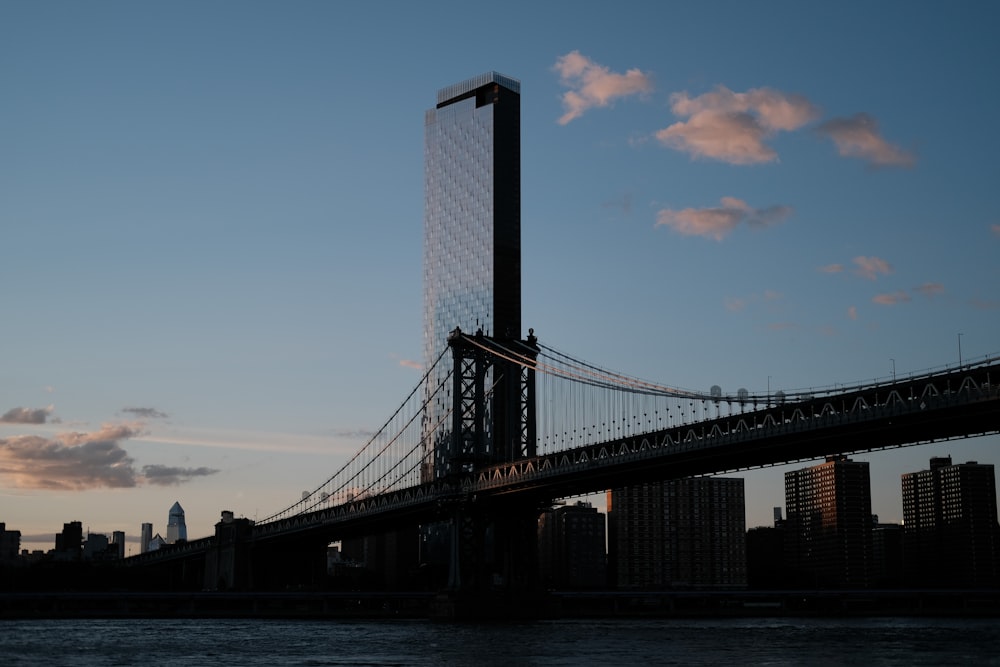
(472, 225)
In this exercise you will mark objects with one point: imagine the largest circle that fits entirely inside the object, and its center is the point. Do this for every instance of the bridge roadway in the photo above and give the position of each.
(956, 403)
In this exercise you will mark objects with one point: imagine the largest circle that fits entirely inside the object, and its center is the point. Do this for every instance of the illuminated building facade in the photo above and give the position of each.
(828, 529)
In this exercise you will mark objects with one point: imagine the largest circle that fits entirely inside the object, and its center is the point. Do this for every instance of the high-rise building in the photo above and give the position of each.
(828, 529)
(118, 539)
(685, 533)
(69, 542)
(10, 543)
(472, 225)
(950, 531)
(176, 528)
(571, 547)
(145, 537)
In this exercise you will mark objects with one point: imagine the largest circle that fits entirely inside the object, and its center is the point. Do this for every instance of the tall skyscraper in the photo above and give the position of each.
(828, 529)
(145, 537)
(176, 527)
(118, 539)
(685, 533)
(950, 531)
(472, 224)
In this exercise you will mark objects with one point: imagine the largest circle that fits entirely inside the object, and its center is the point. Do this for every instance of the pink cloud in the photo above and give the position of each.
(858, 136)
(995, 229)
(732, 127)
(930, 289)
(852, 312)
(735, 304)
(592, 85)
(891, 298)
(871, 267)
(832, 268)
(718, 222)
(416, 365)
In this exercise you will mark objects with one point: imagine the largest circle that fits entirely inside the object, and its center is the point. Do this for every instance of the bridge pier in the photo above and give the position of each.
(492, 568)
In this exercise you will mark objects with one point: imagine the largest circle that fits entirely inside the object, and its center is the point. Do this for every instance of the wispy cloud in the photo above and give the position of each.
(858, 136)
(77, 461)
(832, 268)
(359, 434)
(891, 298)
(852, 312)
(26, 415)
(995, 229)
(871, 267)
(732, 127)
(735, 304)
(161, 475)
(930, 289)
(415, 365)
(769, 298)
(592, 85)
(146, 413)
(718, 222)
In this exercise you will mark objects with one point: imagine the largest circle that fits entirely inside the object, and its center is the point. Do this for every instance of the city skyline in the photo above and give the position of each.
(212, 222)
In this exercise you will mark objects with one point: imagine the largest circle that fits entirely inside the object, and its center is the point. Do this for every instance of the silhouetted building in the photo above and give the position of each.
(118, 540)
(950, 532)
(389, 559)
(176, 527)
(10, 544)
(828, 530)
(571, 547)
(70, 541)
(887, 554)
(157, 542)
(686, 533)
(95, 547)
(766, 555)
(145, 536)
(472, 225)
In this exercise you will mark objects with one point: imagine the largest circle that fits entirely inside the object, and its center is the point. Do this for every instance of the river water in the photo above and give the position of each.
(855, 641)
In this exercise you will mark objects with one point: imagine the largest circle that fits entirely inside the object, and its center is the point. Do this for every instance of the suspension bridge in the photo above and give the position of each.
(498, 429)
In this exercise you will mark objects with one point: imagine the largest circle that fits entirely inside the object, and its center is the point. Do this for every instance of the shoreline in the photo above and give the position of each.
(548, 606)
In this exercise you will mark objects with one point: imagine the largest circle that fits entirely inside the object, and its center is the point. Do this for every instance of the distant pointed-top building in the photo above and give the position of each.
(176, 528)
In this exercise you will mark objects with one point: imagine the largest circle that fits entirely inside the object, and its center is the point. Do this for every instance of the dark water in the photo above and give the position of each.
(574, 642)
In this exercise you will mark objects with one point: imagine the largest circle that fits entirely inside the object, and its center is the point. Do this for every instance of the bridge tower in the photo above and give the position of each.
(493, 553)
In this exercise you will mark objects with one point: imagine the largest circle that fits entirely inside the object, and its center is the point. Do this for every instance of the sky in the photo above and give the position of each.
(211, 223)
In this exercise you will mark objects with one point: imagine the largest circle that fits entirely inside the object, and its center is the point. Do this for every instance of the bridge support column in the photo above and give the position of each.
(493, 563)
(227, 562)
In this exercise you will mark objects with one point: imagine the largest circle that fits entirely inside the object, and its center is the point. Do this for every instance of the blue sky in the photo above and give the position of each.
(211, 223)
